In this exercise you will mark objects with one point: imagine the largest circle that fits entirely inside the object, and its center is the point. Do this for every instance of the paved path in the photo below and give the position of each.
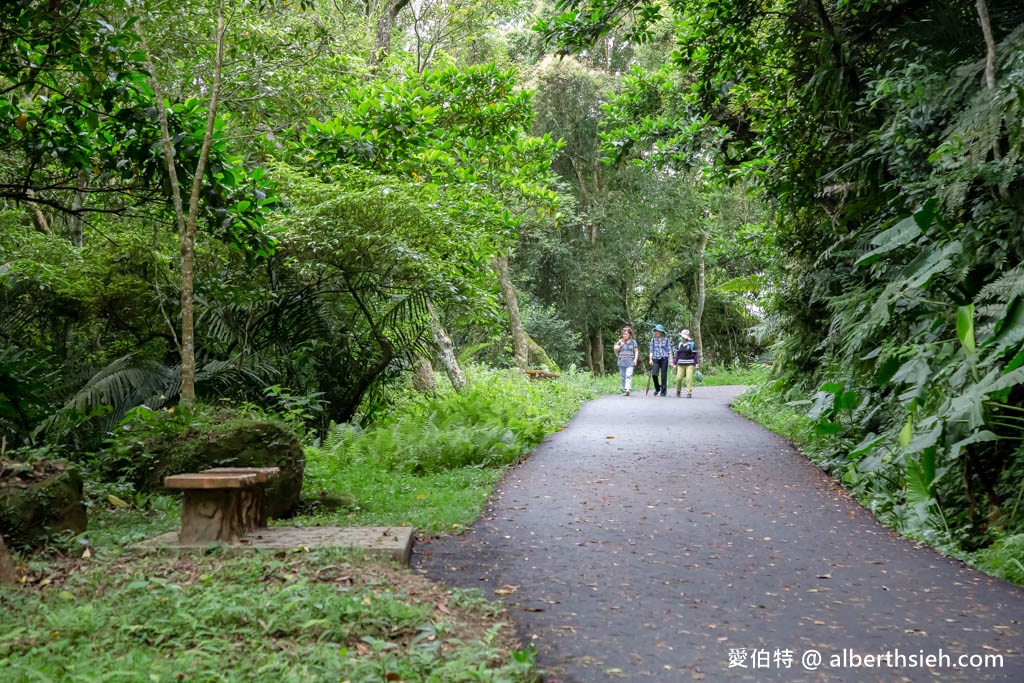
(662, 539)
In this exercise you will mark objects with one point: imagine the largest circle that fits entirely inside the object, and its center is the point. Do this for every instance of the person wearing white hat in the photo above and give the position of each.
(686, 362)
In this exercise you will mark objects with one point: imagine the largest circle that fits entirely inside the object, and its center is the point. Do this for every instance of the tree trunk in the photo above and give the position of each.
(446, 351)
(520, 344)
(385, 25)
(539, 356)
(423, 375)
(698, 339)
(187, 222)
(597, 353)
(990, 77)
(990, 44)
(38, 217)
(6, 565)
(587, 354)
(75, 225)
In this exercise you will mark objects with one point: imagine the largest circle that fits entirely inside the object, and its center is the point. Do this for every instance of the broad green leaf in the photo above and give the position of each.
(907, 432)
(965, 327)
(977, 437)
(915, 371)
(1010, 330)
(927, 436)
(865, 445)
(895, 237)
(929, 264)
(826, 428)
(847, 400)
(926, 215)
(918, 484)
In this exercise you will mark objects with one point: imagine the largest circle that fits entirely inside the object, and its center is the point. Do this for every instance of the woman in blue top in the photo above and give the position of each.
(686, 362)
(661, 352)
(626, 353)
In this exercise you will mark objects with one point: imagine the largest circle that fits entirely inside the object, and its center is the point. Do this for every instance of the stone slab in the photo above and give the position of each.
(390, 542)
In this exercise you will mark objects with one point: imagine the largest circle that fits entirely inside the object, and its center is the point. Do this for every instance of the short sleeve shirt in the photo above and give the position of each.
(626, 352)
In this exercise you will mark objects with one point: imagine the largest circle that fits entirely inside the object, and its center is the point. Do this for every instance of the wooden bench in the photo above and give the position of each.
(222, 504)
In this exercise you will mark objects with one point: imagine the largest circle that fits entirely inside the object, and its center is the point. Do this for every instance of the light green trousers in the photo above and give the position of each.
(684, 371)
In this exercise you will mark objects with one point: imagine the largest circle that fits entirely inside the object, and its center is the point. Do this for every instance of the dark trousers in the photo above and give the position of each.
(659, 370)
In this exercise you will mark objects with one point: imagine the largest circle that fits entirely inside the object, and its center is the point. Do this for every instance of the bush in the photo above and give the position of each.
(500, 416)
(1004, 558)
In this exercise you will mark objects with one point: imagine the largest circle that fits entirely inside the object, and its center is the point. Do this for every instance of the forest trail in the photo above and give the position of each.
(665, 539)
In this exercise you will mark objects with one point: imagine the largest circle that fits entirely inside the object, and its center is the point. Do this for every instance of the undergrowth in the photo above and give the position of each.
(433, 464)
(322, 616)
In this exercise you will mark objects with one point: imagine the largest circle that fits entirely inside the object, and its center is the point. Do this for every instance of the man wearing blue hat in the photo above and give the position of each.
(661, 350)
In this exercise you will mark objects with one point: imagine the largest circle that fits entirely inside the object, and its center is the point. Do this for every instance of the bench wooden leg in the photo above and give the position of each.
(253, 512)
(209, 516)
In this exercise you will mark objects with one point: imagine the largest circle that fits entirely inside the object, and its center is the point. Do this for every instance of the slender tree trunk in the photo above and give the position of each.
(597, 353)
(520, 343)
(446, 351)
(587, 355)
(187, 222)
(990, 44)
(699, 313)
(6, 565)
(75, 226)
(990, 76)
(38, 217)
(423, 375)
(385, 25)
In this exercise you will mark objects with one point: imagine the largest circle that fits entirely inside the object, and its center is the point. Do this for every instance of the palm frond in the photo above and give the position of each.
(128, 381)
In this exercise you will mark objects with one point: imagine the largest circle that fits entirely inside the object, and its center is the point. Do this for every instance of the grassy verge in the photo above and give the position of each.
(285, 617)
(433, 465)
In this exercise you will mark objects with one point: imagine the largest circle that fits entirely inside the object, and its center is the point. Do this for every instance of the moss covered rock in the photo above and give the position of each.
(261, 444)
(160, 444)
(38, 500)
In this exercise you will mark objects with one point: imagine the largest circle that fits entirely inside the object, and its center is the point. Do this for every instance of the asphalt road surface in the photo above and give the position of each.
(669, 539)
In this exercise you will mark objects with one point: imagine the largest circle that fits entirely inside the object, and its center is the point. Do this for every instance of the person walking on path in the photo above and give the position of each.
(660, 351)
(686, 362)
(627, 352)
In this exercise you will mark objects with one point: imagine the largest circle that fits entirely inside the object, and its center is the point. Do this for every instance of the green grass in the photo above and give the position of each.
(440, 503)
(751, 375)
(433, 465)
(285, 617)
(765, 408)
